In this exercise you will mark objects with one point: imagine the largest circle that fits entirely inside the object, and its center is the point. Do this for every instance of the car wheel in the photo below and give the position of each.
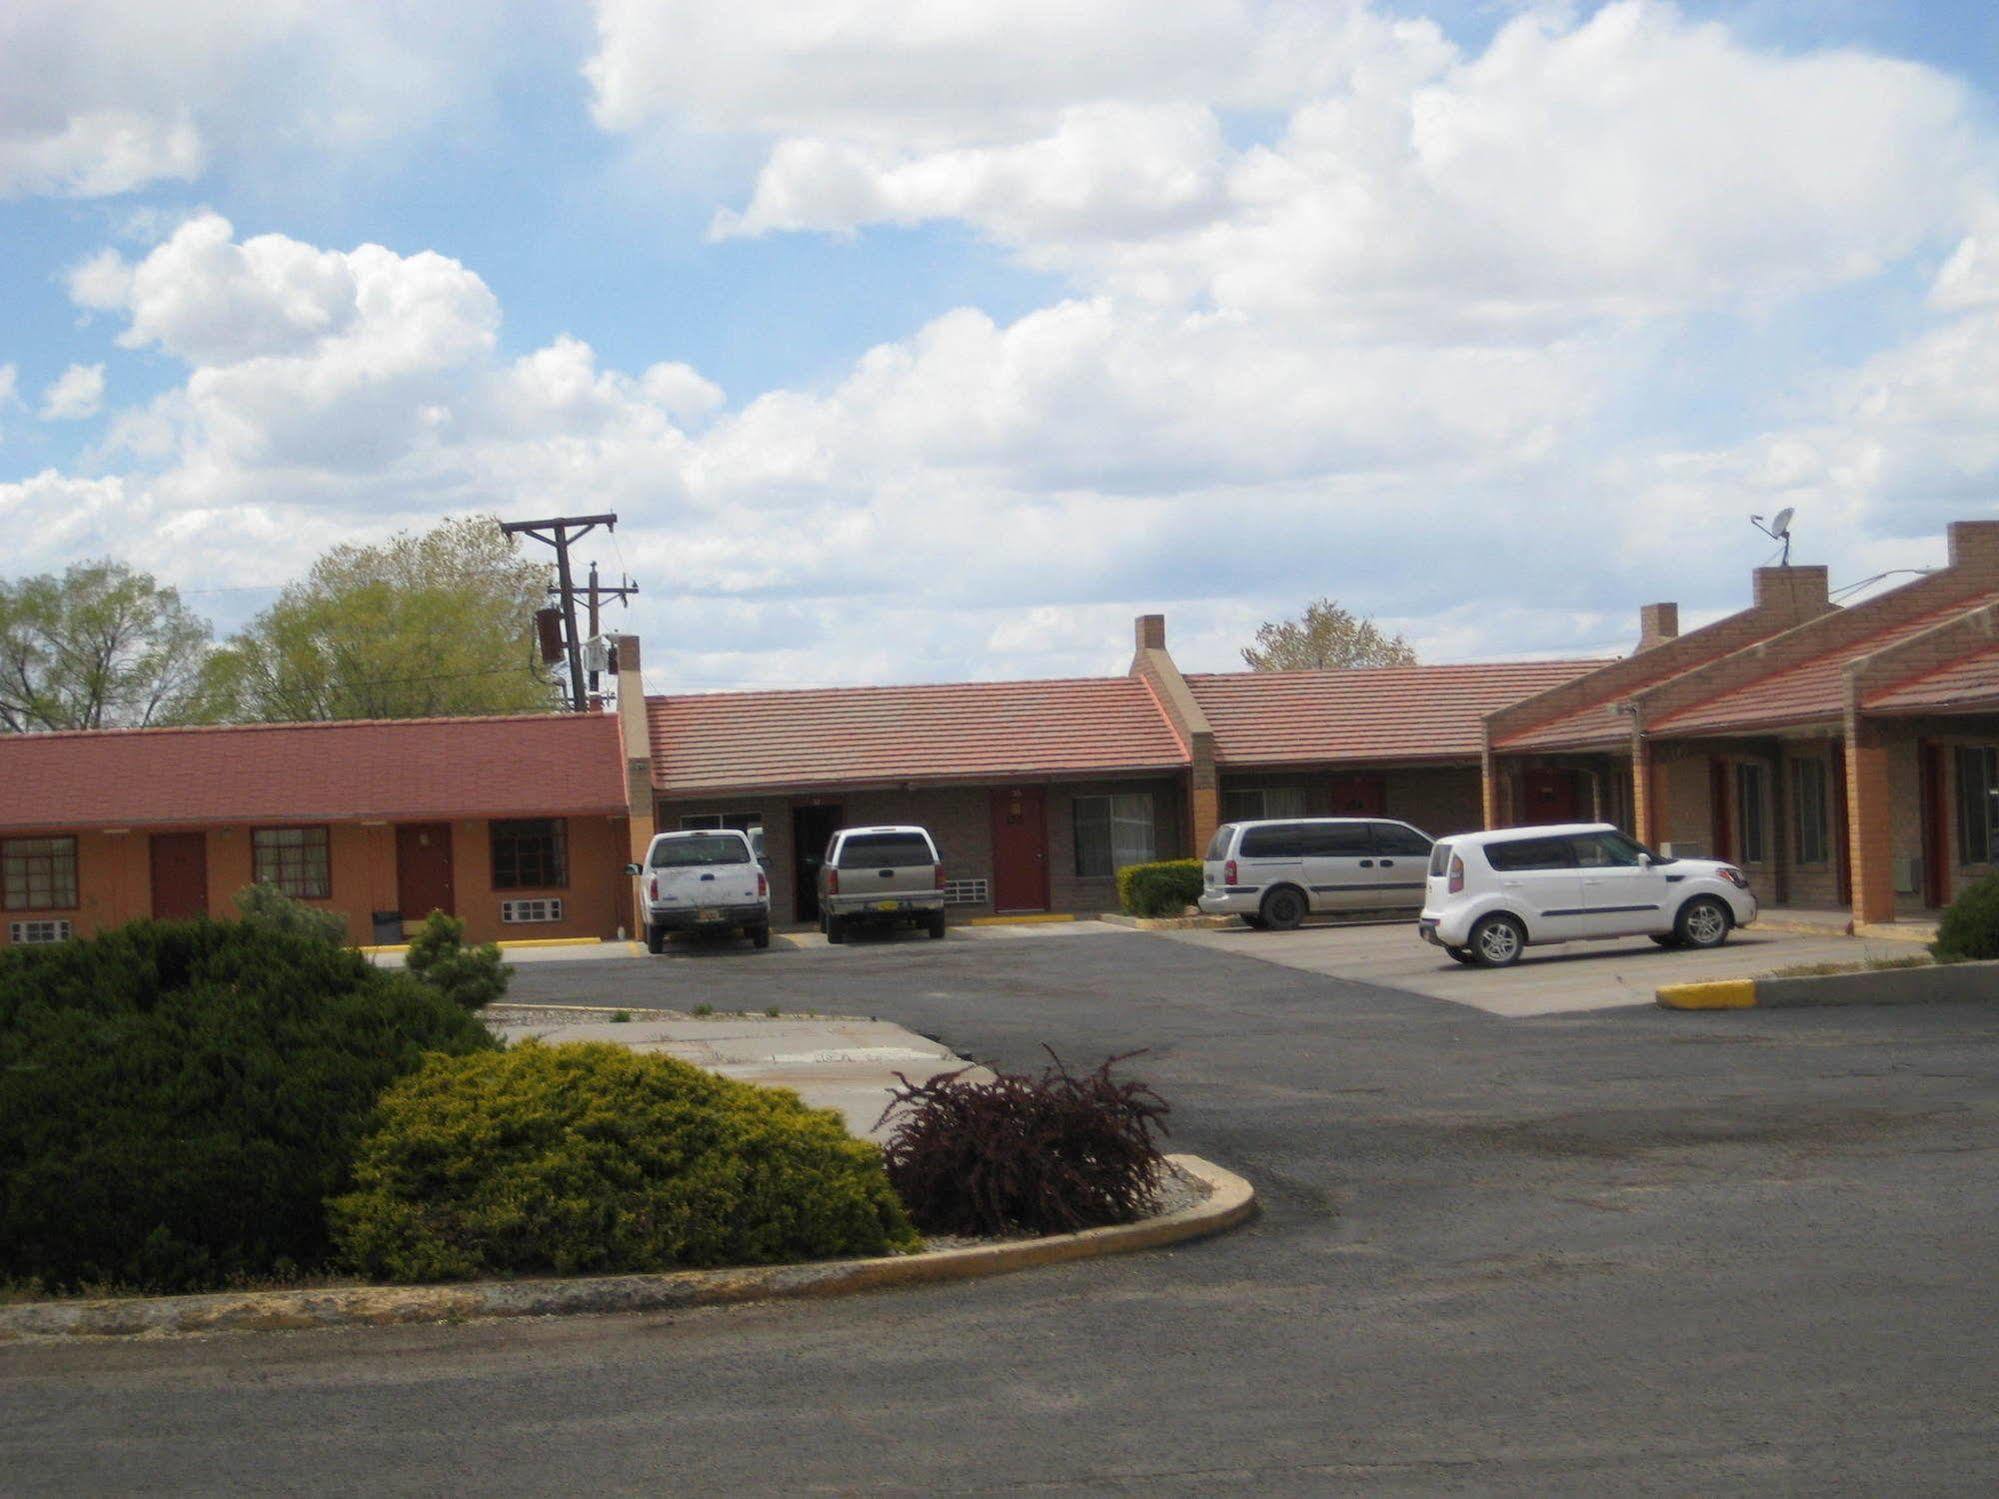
(1496, 941)
(836, 930)
(1704, 922)
(655, 937)
(1461, 954)
(1283, 909)
(1255, 923)
(760, 935)
(937, 926)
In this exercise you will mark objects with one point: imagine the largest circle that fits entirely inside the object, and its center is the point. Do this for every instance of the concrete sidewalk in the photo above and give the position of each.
(834, 1063)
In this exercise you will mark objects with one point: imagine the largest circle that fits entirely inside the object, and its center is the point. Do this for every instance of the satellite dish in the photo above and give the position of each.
(1779, 529)
(1780, 524)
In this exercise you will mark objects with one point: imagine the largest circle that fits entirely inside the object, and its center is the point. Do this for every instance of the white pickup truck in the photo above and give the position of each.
(708, 880)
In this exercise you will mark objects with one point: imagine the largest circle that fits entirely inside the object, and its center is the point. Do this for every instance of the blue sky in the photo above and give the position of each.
(934, 350)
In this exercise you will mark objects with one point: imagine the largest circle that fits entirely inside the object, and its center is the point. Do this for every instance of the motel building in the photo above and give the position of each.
(1846, 757)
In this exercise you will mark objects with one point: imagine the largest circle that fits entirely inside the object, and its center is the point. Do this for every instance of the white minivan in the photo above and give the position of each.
(1489, 895)
(703, 880)
(1272, 872)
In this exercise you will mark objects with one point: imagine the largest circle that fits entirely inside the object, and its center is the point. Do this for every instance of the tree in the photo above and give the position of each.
(436, 625)
(100, 647)
(1328, 637)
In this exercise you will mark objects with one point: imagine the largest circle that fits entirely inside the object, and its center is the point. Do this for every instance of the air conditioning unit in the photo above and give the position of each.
(27, 933)
(1908, 875)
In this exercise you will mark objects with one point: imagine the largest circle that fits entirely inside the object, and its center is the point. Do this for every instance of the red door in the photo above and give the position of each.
(423, 870)
(1020, 850)
(1360, 796)
(180, 875)
(1550, 796)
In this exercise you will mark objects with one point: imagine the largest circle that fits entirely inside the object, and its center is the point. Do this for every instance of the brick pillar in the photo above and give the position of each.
(1869, 824)
(1648, 795)
(1488, 782)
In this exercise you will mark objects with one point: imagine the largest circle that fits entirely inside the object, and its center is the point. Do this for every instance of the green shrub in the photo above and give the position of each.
(1163, 888)
(1969, 930)
(268, 906)
(595, 1159)
(471, 977)
(178, 1099)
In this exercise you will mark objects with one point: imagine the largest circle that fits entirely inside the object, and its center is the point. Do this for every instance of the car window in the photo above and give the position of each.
(705, 848)
(1278, 840)
(885, 851)
(1531, 853)
(1606, 851)
(1399, 838)
(1337, 840)
(1218, 846)
(1440, 859)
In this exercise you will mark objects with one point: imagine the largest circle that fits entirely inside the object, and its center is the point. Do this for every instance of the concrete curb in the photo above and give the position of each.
(1029, 918)
(1945, 983)
(1230, 1201)
(1167, 923)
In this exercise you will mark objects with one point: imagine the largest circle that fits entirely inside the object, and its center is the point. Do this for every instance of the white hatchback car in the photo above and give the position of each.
(1489, 895)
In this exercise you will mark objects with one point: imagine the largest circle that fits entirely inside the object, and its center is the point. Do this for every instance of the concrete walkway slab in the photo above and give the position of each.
(834, 1063)
(1559, 979)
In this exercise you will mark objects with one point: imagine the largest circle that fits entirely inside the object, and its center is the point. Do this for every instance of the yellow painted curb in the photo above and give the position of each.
(1230, 1201)
(1722, 994)
(1032, 918)
(507, 946)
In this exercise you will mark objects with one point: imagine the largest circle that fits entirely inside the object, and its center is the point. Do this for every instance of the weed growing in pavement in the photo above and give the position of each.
(771, 1011)
(1047, 1154)
(702, 1012)
(621, 1017)
(1866, 965)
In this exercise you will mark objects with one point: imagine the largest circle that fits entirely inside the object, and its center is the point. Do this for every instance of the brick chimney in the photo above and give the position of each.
(1657, 624)
(1801, 592)
(1151, 632)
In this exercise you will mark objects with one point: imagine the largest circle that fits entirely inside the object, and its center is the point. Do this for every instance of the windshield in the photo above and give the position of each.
(885, 851)
(702, 848)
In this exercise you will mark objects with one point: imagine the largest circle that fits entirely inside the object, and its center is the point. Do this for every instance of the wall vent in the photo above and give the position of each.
(964, 892)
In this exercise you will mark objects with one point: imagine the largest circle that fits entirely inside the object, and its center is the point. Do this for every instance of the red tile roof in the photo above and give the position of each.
(1379, 713)
(1970, 681)
(1804, 693)
(395, 770)
(949, 732)
(1599, 723)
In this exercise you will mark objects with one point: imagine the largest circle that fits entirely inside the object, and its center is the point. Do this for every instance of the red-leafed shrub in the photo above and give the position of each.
(1047, 1154)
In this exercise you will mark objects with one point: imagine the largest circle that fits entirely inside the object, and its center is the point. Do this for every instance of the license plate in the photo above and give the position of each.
(708, 915)
(888, 905)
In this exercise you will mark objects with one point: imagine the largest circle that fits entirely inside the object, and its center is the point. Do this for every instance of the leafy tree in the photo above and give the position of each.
(435, 625)
(100, 647)
(1327, 637)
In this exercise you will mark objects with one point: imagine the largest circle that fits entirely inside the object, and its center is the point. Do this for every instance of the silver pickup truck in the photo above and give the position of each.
(880, 875)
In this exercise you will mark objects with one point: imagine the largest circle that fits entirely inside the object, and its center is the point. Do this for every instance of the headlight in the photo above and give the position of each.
(1735, 876)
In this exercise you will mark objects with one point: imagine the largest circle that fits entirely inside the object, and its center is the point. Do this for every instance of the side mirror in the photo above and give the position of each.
(1644, 861)
(633, 869)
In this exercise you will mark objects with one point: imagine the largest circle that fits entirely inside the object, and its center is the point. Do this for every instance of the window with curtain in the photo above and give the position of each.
(39, 874)
(1977, 803)
(1749, 826)
(1111, 832)
(531, 853)
(297, 860)
(1254, 803)
(1809, 810)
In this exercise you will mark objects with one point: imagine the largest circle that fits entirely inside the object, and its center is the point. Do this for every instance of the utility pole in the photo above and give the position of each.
(558, 532)
(593, 596)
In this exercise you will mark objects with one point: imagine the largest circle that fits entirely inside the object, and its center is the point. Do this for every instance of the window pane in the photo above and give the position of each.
(1131, 829)
(1975, 791)
(296, 860)
(886, 851)
(1531, 853)
(681, 853)
(1339, 840)
(1282, 840)
(530, 854)
(1093, 837)
(1284, 801)
(1808, 800)
(1398, 839)
(1239, 806)
(39, 874)
(1749, 812)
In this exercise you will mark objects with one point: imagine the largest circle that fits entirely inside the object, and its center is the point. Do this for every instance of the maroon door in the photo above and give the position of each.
(423, 870)
(1721, 814)
(1020, 850)
(1550, 796)
(1841, 865)
(1360, 796)
(180, 875)
(1936, 829)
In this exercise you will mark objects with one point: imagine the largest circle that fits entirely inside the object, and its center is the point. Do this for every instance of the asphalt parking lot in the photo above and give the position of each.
(1618, 1250)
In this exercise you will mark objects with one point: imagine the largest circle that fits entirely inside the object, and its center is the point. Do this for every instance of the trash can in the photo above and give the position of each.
(388, 928)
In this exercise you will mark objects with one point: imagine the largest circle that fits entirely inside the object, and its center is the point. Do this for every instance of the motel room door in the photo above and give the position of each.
(1552, 796)
(180, 875)
(1020, 849)
(423, 870)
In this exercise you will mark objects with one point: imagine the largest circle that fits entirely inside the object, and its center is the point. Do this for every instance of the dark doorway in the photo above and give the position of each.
(1020, 849)
(812, 828)
(1721, 815)
(1936, 829)
(1550, 796)
(1359, 796)
(180, 875)
(1841, 864)
(423, 870)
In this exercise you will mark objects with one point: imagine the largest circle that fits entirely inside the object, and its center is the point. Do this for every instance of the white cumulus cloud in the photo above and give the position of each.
(77, 393)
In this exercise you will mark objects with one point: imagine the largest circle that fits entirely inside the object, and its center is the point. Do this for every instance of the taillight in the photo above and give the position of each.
(1457, 875)
(832, 882)
(763, 886)
(1228, 873)
(1735, 877)
(940, 876)
(652, 888)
